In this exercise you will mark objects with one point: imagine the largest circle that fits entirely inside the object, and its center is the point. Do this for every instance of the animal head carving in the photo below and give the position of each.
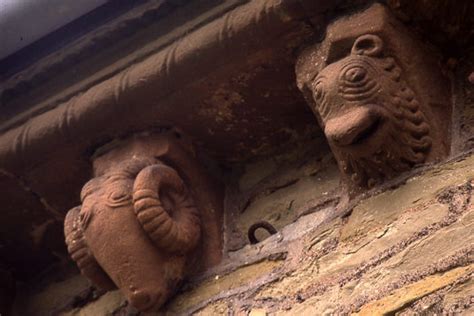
(135, 227)
(370, 116)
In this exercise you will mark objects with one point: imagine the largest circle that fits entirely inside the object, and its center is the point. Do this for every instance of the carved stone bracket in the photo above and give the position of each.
(379, 95)
(149, 218)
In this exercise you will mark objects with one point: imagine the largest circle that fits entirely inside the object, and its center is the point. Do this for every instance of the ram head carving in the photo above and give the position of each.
(135, 230)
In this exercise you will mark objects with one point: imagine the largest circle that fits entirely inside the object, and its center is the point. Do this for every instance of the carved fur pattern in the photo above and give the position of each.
(407, 137)
(370, 115)
(80, 253)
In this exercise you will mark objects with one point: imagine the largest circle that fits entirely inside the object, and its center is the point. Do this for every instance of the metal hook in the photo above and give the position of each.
(261, 224)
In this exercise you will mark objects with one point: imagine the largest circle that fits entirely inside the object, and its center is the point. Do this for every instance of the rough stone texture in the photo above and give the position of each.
(464, 102)
(379, 95)
(220, 99)
(143, 226)
(107, 304)
(339, 270)
(223, 285)
(413, 292)
(283, 189)
(219, 308)
(54, 296)
(403, 251)
(441, 21)
(405, 247)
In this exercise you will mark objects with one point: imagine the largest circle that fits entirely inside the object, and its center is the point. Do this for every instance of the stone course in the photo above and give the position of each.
(404, 246)
(392, 251)
(401, 251)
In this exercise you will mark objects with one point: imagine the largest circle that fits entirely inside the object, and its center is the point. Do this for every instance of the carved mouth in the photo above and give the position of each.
(353, 127)
(366, 133)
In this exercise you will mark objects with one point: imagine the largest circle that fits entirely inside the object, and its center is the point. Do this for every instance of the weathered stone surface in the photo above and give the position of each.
(218, 308)
(222, 108)
(406, 295)
(388, 242)
(297, 184)
(465, 104)
(257, 312)
(394, 249)
(53, 298)
(143, 226)
(459, 293)
(284, 205)
(350, 256)
(447, 23)
(379, 96)
(106, 305)
(256, 172)
(221, 285)
(416, 191)
(412, 201)
(407, 251)
(439, 302)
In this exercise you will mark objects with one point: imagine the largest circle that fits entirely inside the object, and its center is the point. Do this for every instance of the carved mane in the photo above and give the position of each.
(408, 134)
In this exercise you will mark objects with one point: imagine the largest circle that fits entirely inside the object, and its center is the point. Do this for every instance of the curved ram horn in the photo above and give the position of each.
(80, 253)
(178, 231)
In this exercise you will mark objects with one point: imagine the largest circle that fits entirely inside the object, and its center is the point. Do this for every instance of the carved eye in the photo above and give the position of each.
(118, 198)
(318, 90)
(355, 74)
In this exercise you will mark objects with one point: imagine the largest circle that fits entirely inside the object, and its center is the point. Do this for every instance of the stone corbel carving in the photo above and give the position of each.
(379, 95)
(149, 218)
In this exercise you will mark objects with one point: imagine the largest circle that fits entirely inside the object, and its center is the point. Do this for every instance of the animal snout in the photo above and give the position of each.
(353, 126)
(142, 300)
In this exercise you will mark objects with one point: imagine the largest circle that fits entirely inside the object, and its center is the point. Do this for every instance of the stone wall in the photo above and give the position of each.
(404, 249)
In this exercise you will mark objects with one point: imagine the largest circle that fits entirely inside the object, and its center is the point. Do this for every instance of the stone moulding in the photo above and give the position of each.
(149, 218)
(47, 153)
(379, 95)
(17, 90)
(131, 97)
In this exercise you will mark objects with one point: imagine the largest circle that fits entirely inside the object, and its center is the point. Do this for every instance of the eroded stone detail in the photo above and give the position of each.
(377, 122)
(138, 229)
(371, 117)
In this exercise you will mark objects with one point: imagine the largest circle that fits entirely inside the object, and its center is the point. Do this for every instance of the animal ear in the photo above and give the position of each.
(368, 45)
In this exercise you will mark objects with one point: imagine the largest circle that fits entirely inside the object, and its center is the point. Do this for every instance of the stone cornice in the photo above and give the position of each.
(22, 95)
(87, 117)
